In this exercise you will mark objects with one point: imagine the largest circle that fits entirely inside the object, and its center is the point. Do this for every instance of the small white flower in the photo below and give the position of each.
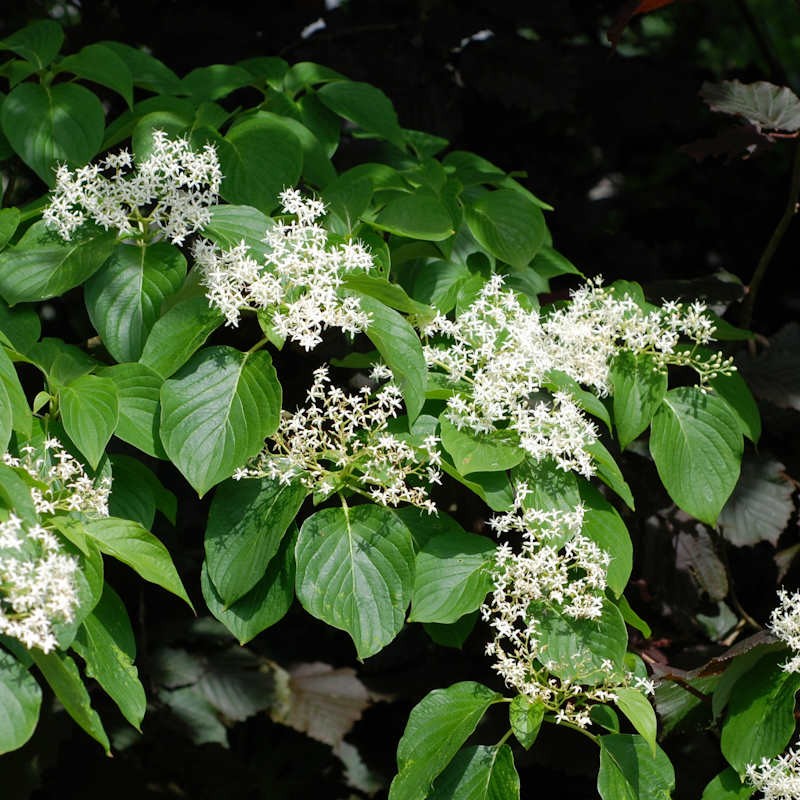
(777, 779)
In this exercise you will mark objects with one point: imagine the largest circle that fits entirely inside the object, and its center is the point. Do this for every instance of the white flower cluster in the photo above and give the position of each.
(172, 190)
(556, 569)
(505, 352)
(37, 578)
(784, 622)
(299, 282)
(341, 441)
(777, 779)
(62, 483)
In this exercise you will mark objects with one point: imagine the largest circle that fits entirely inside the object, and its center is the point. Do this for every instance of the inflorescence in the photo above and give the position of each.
(37, 576)
(298, 284)
(342, 441)
(777, 779)
(784, 622)
(171, 192)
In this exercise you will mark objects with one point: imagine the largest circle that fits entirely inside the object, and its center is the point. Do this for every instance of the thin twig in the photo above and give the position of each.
(746, 314)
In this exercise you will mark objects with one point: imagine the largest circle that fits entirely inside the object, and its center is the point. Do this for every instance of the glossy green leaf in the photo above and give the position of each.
(638, 387)
(437, 727)
(50, 125)
(494, 488)
(138, 392)
(451, 576)
(214, 82)
(100, 64)
(727, 786)
(400, 348)
(20, 326)
(20, 701)
(178, 334)
(638, 709)
(419, 215)
(61, 672)
(41, 265)
(14, 395)
(38, 42)
(604, 526)
(366, 106)
(266, 603)
(6, 417)
(579, 649)
(697, 447)
(259, 158)
(452, 634)
(246, 523)
(124, 296)
(630, 771)
(481, 452)
(105, 642)
(479, 773)
(146, 70)
(526, 717)
(760, 721)
(355, 571)
(508, 224)
(216, 412)
(735, 392)
(232, 224)
(90, 411)
(609, 472)
(137, 493)
(390, 294)
(9, 220)
(130, 543)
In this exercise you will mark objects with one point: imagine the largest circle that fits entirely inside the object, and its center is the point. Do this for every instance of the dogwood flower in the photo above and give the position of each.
(784, 622)
(777, 778)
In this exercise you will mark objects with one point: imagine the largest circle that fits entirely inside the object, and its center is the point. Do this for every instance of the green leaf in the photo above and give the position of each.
(60, 671)
(265, 604)
(400, 348)
(419, 215)
(9, 220)
(451, 576)
(452, 634)
(138, 392)
(246, 524)
(697, 447)
(50, 125)
(734, 391)
(100, 64)
(41, 265)
(550, 488)
(61, 363)
(216, 412)
(589, 402)
(437, 727)
(258, 158)
(232, 224)
(609, 472)
(479, 773)
(481, 452)
(137, 492)
(760, 721)
(494, 488)
(178, 334)
(438, 282)
(577, 648)
(366, 106)
(130, 543)
(348, 197)
(90, 411)
(727, 786)
(526, 718)
(630, 771)
(147, 71)
(355, 571)
(638, 709)
(14, 396)
(389, 294)
(106, 644)
(214, 82)
(20, 701)
(638, 387)
(21, 327)
(604, 526)
(124, 296)
(6, 418)
(508, 224)
(38, 43)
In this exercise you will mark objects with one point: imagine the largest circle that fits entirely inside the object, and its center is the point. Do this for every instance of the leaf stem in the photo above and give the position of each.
(258, 345)
(505, 738)
(746, 313)
(575, 727)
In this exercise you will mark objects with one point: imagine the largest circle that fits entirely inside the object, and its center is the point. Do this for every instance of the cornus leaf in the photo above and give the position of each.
(629, 770)
(20, 700)
(355, 570)
(479, 773)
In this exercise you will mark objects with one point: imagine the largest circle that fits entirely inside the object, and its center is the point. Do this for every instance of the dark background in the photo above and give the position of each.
(599, 134)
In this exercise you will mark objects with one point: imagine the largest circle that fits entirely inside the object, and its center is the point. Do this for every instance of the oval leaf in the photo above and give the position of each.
(697, 447)
(20, 700)
(90, 411)
(355, 571)
(630, 771)
(479, 773)
(216, 412)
